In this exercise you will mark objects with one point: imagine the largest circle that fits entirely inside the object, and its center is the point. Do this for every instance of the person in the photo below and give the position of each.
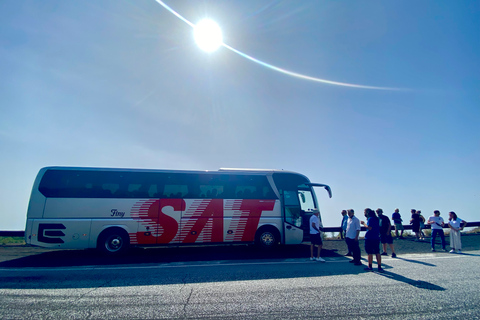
(422, 224)
(351, 237)
(437, 224)
(385, 233)
(372, 239)
(343, 224)
(415, 222)
(397, 221)
(456, 225)
(315, 238)
(344, 230)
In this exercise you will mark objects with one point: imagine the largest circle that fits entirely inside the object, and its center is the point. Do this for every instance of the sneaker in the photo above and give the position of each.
(311, 259)
(459, 251)
(357, 263)
(433, 250)
(349, 254)
(452, 251)
(320, 259)
(380, 269)
(394, 255)
(384, 254)
(368, 269)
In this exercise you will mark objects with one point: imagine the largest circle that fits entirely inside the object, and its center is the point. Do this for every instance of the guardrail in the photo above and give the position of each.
(326, 229)
(406, 227)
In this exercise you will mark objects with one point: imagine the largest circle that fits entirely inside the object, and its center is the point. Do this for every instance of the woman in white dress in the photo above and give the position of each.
(456, 225)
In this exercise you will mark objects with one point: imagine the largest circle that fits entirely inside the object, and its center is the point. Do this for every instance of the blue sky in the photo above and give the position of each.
(123, 84)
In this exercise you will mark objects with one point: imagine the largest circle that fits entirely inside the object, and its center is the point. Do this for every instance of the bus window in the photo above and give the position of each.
(175, 191)
(292, 208)
(306, 200)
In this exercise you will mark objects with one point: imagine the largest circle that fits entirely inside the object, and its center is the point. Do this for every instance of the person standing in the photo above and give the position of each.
(456, 225)
(351, 237)
(343, 224)
(397, 221)
(422, 224)
(415, 222)
(385, 233)
(437, 224)
(315, 238)
(344, 230)
(372, 239)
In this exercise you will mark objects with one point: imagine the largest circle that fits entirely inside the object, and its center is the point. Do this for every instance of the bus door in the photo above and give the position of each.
(293, 217)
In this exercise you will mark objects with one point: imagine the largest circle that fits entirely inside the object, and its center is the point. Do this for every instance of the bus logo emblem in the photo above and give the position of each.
(50, 232)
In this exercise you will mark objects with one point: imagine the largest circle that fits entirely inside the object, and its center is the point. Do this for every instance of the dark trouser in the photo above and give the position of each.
(354, 248)
(434, 235)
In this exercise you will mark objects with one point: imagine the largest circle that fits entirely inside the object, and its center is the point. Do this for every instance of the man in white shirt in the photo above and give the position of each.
(437, 223)
(315, 238)
(351, 237)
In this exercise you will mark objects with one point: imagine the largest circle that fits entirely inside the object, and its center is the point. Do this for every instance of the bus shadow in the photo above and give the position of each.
(77, 258)
(227, 264)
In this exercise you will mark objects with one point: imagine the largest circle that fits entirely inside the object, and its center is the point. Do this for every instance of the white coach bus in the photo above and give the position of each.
(111, 209)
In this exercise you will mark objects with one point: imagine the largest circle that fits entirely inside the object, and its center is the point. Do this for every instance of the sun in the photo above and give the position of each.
(208, 35)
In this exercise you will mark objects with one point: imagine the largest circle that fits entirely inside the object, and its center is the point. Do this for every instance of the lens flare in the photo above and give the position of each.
(208, 37)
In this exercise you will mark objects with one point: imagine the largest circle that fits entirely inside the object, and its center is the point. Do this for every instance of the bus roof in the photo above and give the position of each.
(221, 170)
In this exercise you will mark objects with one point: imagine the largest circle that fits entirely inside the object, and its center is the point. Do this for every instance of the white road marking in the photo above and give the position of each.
(221, 263)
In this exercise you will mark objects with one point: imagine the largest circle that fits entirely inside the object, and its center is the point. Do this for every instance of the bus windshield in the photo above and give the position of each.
(306, 200)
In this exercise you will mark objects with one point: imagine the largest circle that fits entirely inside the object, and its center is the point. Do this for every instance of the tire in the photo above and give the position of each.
(113, 241)
(267, 238)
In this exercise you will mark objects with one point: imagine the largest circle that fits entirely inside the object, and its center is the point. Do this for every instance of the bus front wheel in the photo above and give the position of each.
(113, 241)
(267, 238)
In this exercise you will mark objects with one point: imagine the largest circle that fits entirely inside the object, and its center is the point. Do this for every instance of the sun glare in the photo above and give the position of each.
(208, 35)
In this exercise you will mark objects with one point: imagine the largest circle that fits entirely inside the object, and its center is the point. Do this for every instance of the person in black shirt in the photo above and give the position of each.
(385, 233)
(415, 222)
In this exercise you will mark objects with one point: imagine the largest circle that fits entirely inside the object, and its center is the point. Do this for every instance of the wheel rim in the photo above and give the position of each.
(114, 243)
(267, 238)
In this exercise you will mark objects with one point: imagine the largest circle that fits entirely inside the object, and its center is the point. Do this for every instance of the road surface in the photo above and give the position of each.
(415, 286)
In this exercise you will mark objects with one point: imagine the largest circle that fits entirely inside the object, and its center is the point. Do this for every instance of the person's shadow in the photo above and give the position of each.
(416, 283)
(416, 261)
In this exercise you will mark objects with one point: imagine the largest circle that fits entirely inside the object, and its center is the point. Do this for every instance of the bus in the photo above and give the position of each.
(111, 209)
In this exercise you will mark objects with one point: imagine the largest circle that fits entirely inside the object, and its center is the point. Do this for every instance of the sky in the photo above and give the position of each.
(121, 83)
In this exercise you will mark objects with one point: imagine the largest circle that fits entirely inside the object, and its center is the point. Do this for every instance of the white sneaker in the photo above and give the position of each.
(452, 251)
(320, 259)
(311, 259)
(459, 251)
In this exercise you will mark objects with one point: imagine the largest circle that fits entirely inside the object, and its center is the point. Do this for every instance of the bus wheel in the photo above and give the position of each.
(267, 238)
(113, 241)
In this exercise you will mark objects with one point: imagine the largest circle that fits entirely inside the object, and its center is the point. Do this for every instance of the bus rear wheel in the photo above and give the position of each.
(113, 241)
(267, 238)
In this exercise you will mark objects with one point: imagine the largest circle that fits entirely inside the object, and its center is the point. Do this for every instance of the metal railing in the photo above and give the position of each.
(326, 229)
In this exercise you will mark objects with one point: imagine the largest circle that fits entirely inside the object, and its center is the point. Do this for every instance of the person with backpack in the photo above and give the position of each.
(385, 233)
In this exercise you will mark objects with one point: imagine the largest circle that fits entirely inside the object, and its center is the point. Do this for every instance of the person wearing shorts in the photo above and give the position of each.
(372, 239)
(385, 233)
(315, 239)
(397, 221)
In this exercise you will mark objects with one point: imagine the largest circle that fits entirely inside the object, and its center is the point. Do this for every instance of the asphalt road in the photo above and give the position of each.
(420, 286)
